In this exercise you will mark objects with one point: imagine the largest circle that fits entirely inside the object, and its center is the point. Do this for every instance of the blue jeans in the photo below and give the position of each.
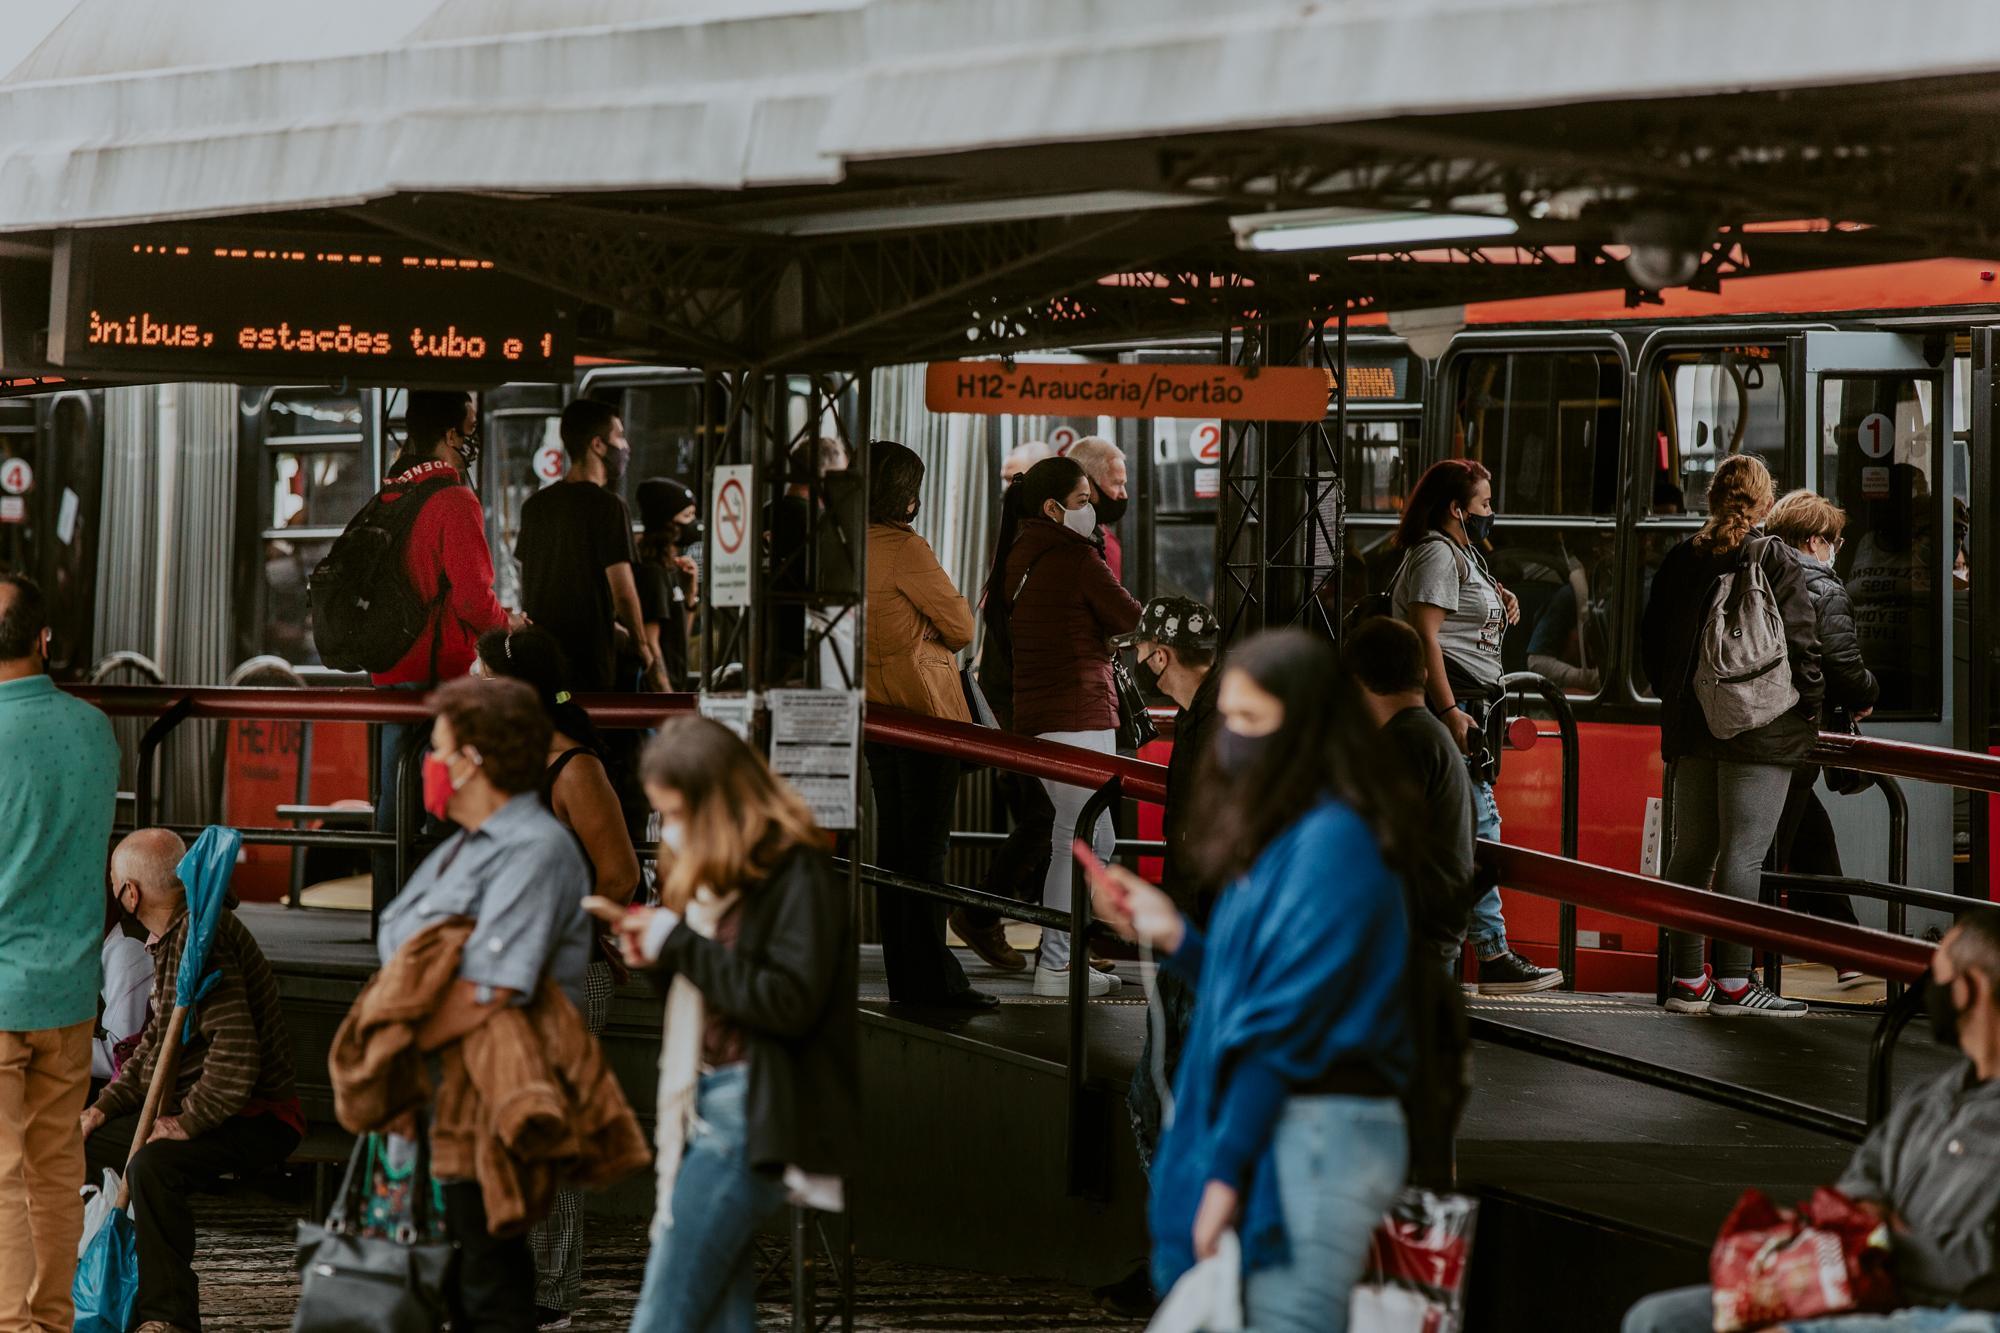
(393, 740)
(1341, 1162)
(1488, 929)
(1690, 1310)
(702, 1274)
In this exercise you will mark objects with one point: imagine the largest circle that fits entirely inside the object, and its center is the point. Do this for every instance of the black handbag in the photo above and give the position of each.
(351, 1282)
(1135, 724)
(1844, 781)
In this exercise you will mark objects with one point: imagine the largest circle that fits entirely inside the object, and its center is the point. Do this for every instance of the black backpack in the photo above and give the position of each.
(366, 616)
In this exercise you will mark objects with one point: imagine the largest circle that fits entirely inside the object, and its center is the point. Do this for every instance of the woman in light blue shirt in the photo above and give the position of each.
(519, 874)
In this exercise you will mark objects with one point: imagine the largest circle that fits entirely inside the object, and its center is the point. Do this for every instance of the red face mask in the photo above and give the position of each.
(437, 785)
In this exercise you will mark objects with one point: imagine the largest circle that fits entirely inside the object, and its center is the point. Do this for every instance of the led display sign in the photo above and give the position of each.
(253, 304)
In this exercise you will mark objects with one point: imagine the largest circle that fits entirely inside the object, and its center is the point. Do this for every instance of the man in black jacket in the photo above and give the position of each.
(1386, 659)
(1174, 646)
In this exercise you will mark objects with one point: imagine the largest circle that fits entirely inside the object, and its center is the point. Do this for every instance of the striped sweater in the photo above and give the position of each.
(239, 1055)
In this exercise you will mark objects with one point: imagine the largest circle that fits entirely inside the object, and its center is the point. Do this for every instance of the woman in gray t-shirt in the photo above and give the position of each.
(1447, 594)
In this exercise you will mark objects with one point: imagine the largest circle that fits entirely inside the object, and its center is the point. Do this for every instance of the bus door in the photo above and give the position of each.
(1979, 598)
(1874, 414)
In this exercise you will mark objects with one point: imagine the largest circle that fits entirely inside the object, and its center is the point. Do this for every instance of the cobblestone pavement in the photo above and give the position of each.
(248, 1284)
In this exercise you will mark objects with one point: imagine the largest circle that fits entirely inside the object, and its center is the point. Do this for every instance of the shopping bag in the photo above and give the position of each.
(107, 1278)
(1771, 1264)
(1418, 1261)
(98, 1203)
(1208, 1298)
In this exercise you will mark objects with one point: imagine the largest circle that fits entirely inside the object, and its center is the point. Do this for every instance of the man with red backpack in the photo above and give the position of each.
(407, 590)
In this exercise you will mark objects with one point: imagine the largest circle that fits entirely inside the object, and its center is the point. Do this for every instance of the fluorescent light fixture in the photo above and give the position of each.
(910, 217)
(1354, 228)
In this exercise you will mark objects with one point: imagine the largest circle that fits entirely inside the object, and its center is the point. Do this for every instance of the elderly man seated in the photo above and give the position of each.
(1928, 1168)
(232, 1107)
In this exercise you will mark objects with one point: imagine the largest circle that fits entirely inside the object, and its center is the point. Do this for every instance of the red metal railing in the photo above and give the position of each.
(890, 726)
(1711, 915)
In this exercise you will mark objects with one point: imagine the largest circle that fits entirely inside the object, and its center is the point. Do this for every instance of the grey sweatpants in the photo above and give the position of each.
(1725, 814)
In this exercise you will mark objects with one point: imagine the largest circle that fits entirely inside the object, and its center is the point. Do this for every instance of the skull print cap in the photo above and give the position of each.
(1178, 622)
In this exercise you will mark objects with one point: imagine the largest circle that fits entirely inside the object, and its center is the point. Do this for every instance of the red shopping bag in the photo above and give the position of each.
(1826, 1257)
(1418, 1259)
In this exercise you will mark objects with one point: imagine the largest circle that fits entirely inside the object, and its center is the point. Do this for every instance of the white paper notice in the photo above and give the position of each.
(735, 711)
(816, 746)
(66, 517)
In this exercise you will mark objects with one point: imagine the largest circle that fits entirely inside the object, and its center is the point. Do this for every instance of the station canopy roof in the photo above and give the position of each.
(792, 182)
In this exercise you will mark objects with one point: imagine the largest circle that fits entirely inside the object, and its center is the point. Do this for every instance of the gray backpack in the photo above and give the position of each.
(1743, 679)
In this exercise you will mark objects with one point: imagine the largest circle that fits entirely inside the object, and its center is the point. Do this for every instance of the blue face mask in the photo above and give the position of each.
(1479, 528)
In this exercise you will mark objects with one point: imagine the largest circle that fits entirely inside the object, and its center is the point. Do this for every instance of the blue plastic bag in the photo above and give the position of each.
(206, 871)
(107, 1278)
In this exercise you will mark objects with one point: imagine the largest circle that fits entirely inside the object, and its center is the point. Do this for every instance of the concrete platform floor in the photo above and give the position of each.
(248, 1284)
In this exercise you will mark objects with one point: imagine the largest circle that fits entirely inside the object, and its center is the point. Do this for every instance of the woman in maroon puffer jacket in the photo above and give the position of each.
(1061, 607)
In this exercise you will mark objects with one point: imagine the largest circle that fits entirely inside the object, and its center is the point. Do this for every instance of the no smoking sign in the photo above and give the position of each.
(729, 576)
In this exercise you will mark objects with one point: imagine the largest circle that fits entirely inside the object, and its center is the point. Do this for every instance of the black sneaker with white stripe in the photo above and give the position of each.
(1756, 1000)
(1511, 974)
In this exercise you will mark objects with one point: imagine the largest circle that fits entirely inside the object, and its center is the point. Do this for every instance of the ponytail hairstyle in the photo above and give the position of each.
(1445, 483)
(1739, 495)
(1051, 479)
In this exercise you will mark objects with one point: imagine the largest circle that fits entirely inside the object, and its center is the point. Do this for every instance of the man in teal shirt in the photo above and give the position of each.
(58, 789)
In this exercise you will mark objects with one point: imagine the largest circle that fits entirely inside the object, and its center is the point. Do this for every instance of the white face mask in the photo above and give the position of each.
(673, 836)
(1081, 520)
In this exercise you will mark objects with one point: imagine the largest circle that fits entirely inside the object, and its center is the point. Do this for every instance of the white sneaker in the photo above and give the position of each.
(1054, 981)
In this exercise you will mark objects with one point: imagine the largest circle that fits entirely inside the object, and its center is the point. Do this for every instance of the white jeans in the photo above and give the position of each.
(1069, 802)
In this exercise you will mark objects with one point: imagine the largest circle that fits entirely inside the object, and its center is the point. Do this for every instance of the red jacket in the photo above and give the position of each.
(1061, 622)
(447, 546)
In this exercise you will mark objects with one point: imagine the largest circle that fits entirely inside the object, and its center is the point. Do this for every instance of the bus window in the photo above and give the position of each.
(1184, 561)
(317, 474)
(1376, 465)
(1547, 425)
(663, 426)
(1879, 461)
(1711, 403)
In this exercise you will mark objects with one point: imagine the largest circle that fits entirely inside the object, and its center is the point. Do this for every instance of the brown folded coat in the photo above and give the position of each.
(527, 1104)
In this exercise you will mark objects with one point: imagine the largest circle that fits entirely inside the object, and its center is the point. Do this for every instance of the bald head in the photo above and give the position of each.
(143, 875)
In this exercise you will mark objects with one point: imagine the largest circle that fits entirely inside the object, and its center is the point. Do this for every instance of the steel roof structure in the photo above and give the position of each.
(843, 182)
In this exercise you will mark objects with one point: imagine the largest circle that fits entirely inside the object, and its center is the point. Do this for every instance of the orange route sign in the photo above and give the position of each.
(1275, 393)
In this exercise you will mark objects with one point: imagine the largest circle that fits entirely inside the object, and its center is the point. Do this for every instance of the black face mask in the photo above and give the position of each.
(468, 450)
(1479, 527)
(1109, 511)
(614, 466)
(1237, 754)
(687, 534)
(1148, 677)
(1943, 1013)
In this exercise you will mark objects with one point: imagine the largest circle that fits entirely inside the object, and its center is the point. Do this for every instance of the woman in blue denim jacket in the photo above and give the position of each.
(1286, 1124)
